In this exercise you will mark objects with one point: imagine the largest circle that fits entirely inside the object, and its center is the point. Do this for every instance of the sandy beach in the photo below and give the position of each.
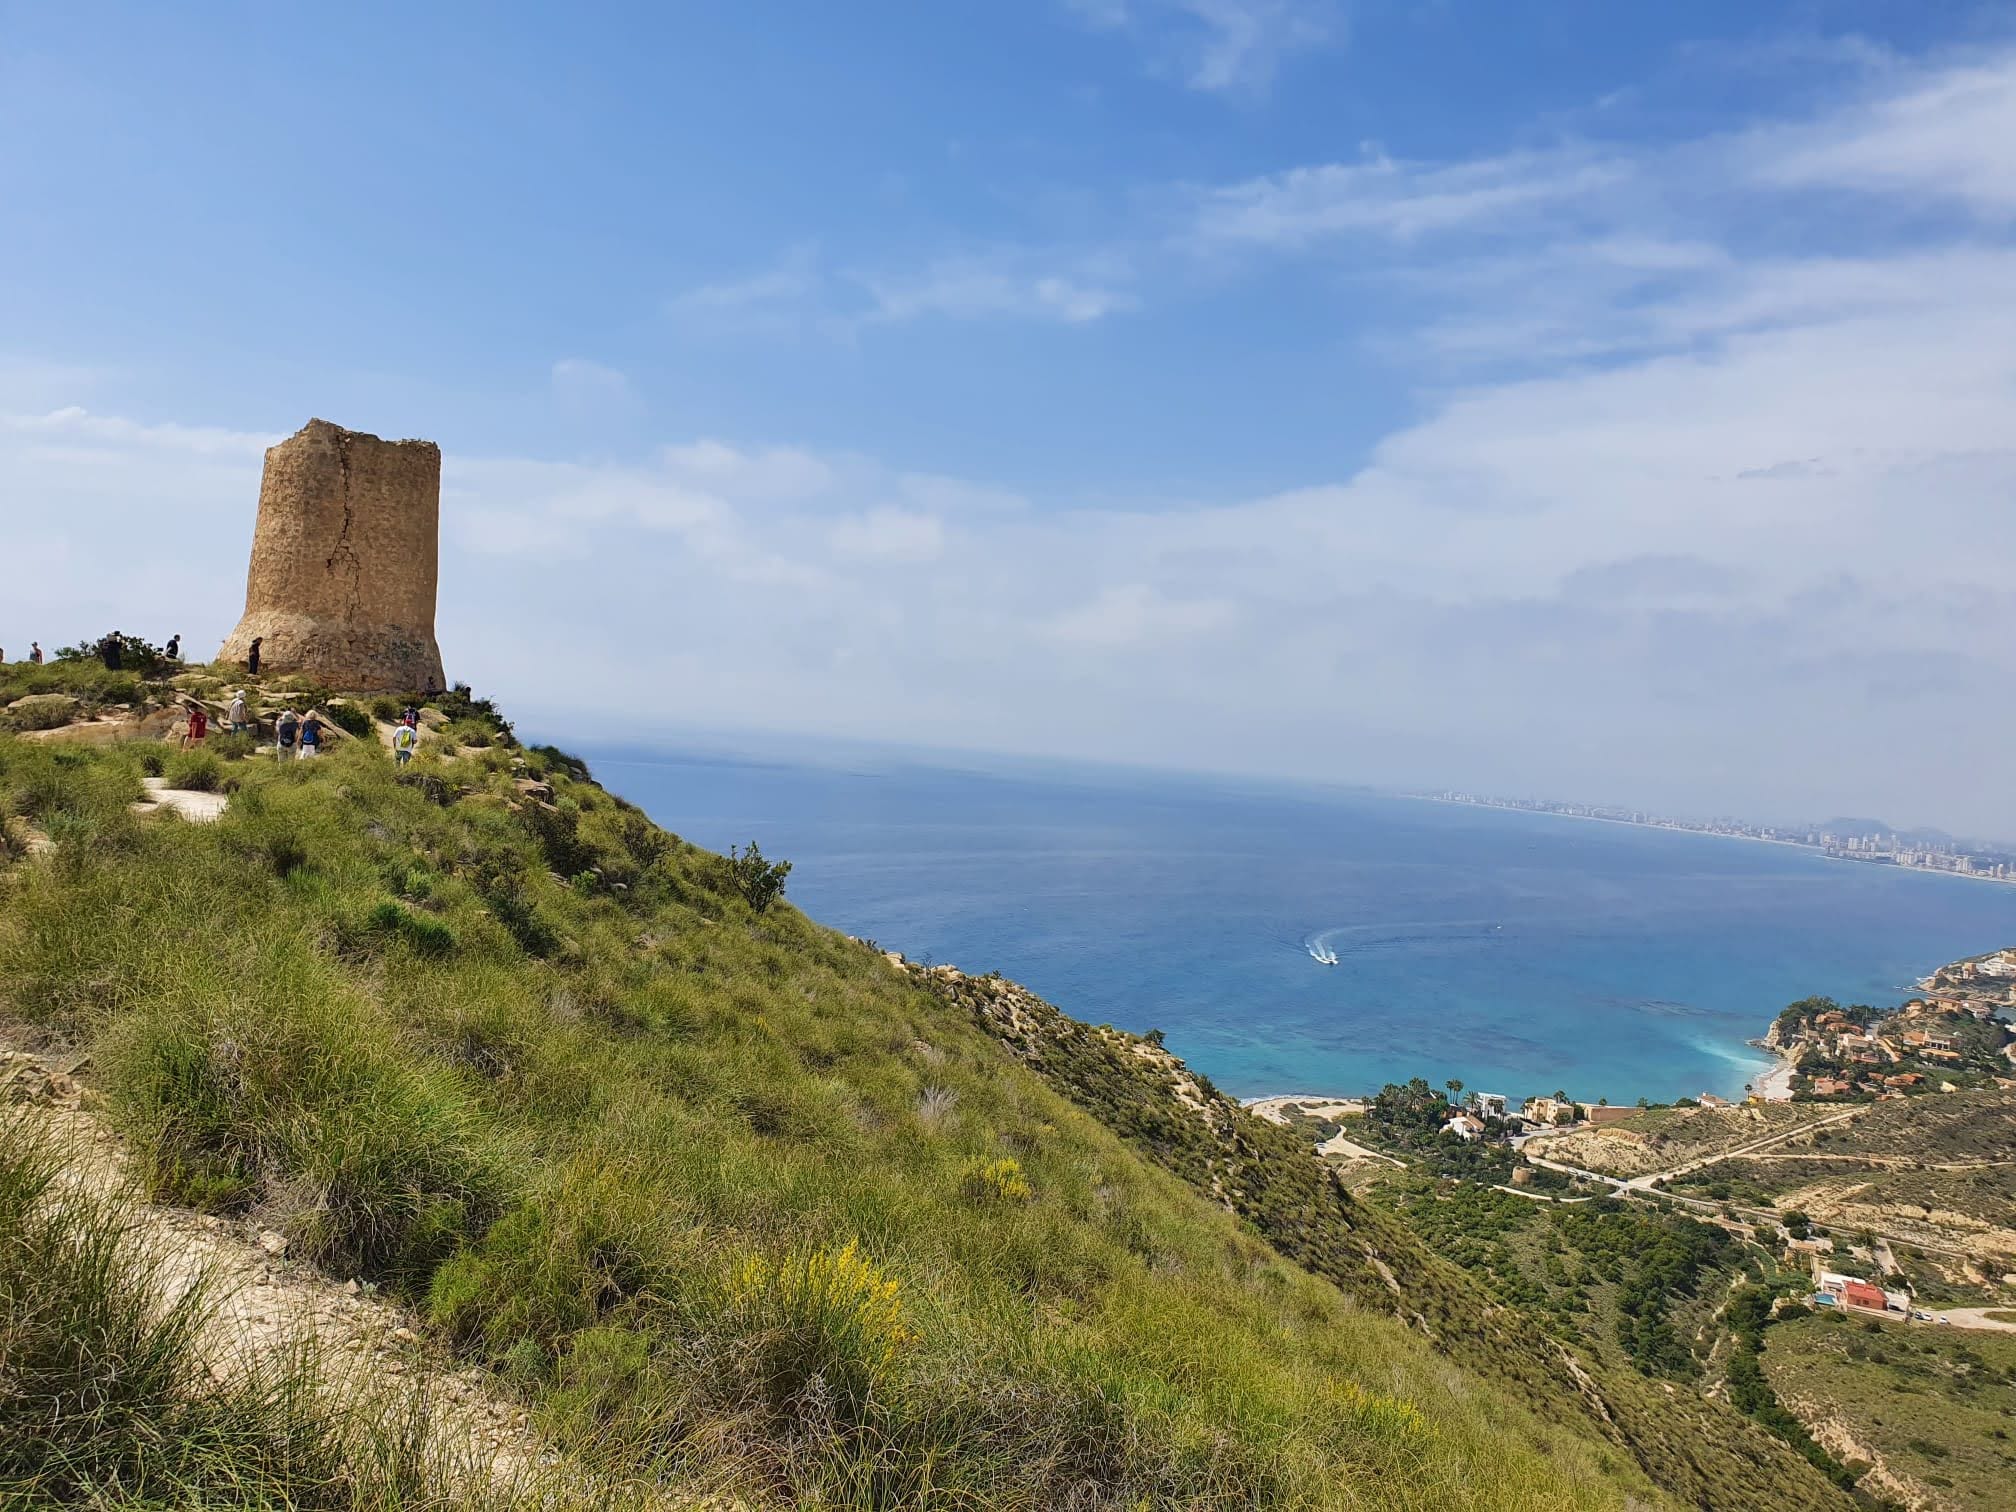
(1775, 1085)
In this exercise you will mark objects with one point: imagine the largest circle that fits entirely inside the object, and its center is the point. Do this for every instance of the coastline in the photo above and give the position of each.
(1713, 834)
(1775, 1085)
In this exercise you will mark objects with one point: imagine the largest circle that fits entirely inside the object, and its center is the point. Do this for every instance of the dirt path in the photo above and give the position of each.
(1977, 1317)
(1741, 1150)
(1888, 1162)
(262, 1303)
(1642, 1183)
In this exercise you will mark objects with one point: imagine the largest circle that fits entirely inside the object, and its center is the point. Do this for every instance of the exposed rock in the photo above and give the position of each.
(111, 726)
(42, 711)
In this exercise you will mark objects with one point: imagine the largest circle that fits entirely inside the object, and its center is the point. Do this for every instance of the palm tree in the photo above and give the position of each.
(1455, 1090)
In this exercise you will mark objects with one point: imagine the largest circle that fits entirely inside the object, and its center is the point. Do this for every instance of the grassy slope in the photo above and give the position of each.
(1695, 1448)
(1939, 1406)
(721, 1194)
(108, 1396)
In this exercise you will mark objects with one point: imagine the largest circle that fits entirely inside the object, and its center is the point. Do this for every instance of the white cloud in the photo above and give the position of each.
(776, 473)
(1004, 282)
(1715, 520)
(893, 535)
(977, 288)
(1126, 615)
(590, 387)
(1664, 580)
(1378, 195)
(777, 300)
(1220, 46)
(1943, 134)
(75, 426)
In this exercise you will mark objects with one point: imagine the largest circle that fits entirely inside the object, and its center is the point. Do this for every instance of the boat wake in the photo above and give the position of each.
(1328, 947)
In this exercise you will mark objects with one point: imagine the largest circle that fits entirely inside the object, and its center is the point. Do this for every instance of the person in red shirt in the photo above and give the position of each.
(199, 726)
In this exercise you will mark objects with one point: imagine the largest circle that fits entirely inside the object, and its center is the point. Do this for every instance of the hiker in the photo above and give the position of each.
(286, 731)
(109, 650)
(35, 652)
(238, 715)
(311, 735)
(173, 650)
(199, 726)
(403, 740)
(252, 657)
(411, 716)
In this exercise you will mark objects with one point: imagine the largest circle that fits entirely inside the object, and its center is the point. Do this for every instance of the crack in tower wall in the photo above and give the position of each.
(345, 561)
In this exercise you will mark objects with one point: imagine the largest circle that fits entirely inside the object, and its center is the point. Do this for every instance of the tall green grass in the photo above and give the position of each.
(722, 1194)
(111, 1395)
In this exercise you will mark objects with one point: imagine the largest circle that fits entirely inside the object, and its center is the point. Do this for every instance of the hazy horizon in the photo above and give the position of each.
(1612, 406)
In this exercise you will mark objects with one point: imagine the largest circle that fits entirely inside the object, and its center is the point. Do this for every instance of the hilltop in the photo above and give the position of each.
(728, 1203)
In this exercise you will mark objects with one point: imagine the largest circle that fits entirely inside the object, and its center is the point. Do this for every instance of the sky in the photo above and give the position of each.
(1595, 401)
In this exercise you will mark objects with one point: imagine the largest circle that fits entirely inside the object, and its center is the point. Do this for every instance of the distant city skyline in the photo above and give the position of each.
(1581, 399)
(1913, 847)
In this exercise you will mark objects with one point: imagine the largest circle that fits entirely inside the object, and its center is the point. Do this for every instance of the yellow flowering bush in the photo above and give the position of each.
(1382, 1417)
(827, 1313)
(996, 1181)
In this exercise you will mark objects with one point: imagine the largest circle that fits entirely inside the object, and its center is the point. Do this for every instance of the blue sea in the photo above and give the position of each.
(1519, 952)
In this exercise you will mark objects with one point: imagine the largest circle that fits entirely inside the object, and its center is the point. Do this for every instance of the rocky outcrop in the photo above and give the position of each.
(41, 711)
(345, 560)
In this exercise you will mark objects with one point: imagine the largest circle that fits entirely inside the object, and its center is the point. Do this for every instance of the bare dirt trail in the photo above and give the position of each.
(259, 1303)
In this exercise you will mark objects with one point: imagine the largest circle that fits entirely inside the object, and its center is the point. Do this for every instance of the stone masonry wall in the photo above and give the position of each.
(345, 560)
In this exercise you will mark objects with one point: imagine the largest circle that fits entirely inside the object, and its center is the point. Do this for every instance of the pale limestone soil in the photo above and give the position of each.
(1834, 1435)
(260, 1303)
(197, 808)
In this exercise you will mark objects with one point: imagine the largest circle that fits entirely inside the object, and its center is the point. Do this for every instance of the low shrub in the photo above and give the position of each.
(428, 936)
(995, 1181)
(351, 719)
(760, 882)
(830, 1314)
(193, 771)
(547, 759)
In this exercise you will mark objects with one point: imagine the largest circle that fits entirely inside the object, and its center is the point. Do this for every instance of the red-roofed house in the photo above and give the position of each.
(1862, 1294)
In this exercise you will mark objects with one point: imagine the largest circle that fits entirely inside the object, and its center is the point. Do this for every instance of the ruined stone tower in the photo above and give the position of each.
(344, 562)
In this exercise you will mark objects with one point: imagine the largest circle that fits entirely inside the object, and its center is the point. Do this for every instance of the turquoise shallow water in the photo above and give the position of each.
(1518, 952)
